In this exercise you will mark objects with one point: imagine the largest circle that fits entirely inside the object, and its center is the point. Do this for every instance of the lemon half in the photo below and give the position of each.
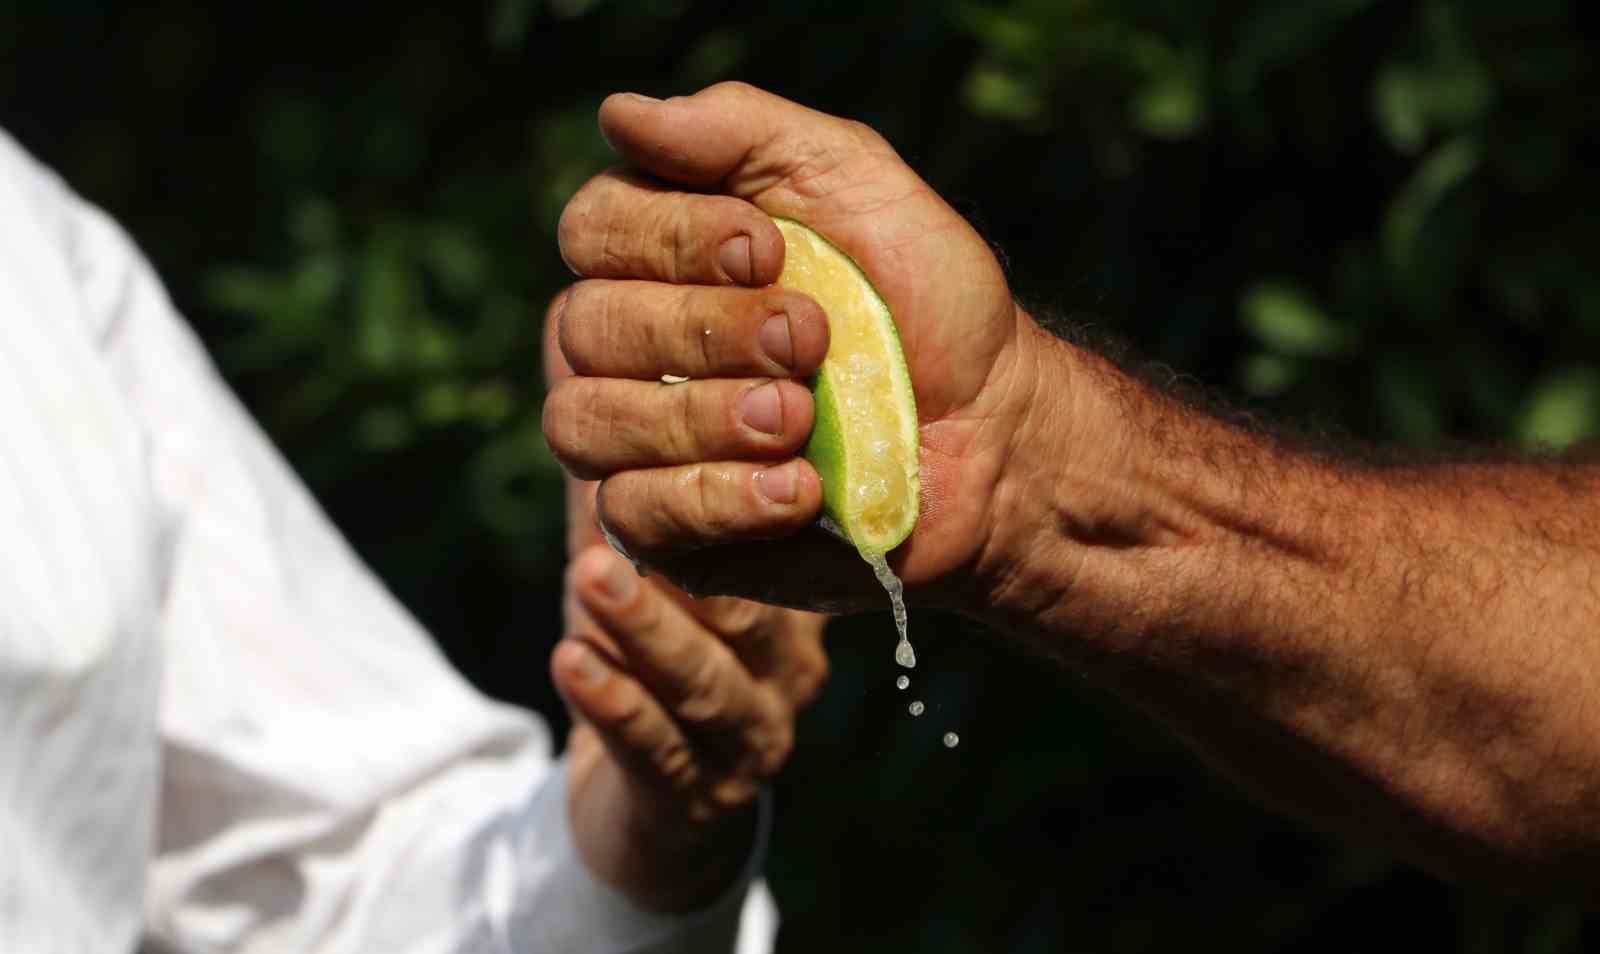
(864, 442)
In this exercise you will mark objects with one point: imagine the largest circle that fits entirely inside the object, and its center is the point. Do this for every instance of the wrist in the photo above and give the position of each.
(1110, 492)
(690, 864)
(656, 852)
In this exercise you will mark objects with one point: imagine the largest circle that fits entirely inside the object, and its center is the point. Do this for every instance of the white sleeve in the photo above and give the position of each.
(329, 783)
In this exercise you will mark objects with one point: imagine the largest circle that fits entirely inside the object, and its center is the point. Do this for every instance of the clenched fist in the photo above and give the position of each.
(683, 708)
(678, 253)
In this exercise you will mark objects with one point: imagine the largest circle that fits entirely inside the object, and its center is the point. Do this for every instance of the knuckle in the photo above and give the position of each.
(865, 135)
(772, 751)
(670, 239)
(707, 514)
(705, 699)
(558, 421)
(571, 322)
(567, 421)
(676, 763)
(738, 620)
(639, 512)
(770, 748)
(690, 311)
(810, 676)
(731, 89)
(628, 719)
(570, 230)
(728, 795)
(687, 420)
(558, 305)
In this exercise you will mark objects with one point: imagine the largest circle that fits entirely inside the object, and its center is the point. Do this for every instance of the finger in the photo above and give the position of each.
(731, 137)
(598, 426)
(643, 330)
(811, 570)
(780, 646)
(582, 528)
(576, 617)
(836, 176)
(632, 724)
(622, 225)
(694, 675)
(555, 364)
(654, 514)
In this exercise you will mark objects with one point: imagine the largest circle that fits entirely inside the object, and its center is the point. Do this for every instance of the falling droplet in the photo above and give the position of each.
(902, 682)
(891, 583)
(916, 708)
(951, 740)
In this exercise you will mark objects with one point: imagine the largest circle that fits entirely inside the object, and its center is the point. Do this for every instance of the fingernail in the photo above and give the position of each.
(781, 485)
(620, 581)
(734, 256)
(775, 340)
(762, 409)
(584, 664)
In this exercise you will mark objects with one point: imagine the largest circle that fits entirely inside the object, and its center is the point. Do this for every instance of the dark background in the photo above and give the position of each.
(1376, 217)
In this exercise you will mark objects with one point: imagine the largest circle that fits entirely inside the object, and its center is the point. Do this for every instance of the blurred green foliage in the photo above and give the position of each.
(1377, 217)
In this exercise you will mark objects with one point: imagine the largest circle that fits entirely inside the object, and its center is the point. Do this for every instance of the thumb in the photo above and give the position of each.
(737, 139)
(836, 175)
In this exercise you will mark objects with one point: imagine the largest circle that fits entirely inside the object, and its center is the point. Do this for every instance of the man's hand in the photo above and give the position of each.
(1404, 653)
(685, 708)
(682, 709)
(676, 251)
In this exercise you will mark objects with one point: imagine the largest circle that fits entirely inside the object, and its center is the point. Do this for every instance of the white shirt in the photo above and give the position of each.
(218, 732)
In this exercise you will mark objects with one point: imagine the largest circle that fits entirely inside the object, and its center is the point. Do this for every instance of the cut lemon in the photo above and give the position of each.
(864, 443)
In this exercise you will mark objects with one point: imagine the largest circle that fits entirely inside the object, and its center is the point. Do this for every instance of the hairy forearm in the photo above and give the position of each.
(1402, 650)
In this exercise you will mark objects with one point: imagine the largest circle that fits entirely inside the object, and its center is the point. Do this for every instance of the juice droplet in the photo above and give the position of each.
(903, 653)
(902, 682)
(951, 740)
(916, 708)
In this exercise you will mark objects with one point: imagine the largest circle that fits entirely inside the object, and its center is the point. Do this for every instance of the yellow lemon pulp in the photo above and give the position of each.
(864, 443)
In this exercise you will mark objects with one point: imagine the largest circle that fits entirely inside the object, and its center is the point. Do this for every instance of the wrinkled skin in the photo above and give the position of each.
(679, 244)
(682, 710)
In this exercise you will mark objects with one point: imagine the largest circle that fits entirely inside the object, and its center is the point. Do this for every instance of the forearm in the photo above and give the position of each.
(1402, 651)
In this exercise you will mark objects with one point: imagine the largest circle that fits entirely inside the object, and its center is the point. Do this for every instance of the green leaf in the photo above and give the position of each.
(1268, 375)
(1280, 33)
(1172, 106)
(383, 429)
(1285, 319)
(314, 223)
(1409, 398)
(457, 260)
(1563, 409)
(997, 93)
(243, 289)
(1005, 34)
(1399, 109)
(1410, 103)
(1448, 166)
(441, 402)
(387, 299)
